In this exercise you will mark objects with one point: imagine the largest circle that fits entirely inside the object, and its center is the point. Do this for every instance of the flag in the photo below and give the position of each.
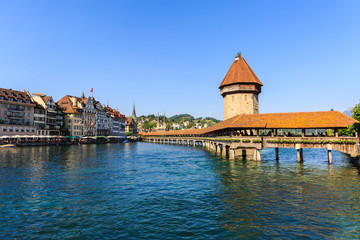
(91, 90)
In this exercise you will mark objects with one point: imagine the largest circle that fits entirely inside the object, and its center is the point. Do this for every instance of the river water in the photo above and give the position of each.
(153, 191)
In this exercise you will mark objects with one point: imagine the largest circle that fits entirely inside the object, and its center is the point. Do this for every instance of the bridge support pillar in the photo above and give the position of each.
(212, 147)
(329, 156)
(256, 155)
(224, 151)
(218, 149)
(299, 153)
(231, 153)
(277, 154)
(329, 148)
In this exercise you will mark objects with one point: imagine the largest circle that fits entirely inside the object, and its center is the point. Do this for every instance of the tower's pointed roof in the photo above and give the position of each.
(240, 72)
(133, 115)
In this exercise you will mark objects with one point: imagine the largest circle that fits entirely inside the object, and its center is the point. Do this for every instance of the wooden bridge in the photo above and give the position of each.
(243, 136)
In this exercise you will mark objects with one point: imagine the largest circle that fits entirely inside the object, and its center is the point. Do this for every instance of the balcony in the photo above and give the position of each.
(16, 115)
(16, 109)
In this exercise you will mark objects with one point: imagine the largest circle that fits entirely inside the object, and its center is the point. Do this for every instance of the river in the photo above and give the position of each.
(152, 191)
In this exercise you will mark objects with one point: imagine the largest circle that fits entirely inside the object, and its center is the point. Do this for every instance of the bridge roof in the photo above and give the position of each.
(296, 120)
(240, 72)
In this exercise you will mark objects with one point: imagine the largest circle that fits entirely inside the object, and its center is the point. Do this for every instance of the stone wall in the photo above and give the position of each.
(240, 103)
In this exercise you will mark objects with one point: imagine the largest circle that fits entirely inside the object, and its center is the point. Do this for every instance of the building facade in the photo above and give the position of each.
(89, 116)
(102, 125)
(240, 89)
(53, 116)
(73, 114)
(40, 119)
(16, 113)
(116, 122)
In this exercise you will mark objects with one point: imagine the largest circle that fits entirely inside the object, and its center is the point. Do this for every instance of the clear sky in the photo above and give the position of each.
(171, 56)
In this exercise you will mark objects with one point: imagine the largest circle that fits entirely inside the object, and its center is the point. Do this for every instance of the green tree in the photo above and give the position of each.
(356, 116)
(356, 126)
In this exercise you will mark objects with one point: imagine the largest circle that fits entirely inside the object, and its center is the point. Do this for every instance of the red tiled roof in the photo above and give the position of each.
(113, 112)
(128, 120)
(46, 98)
(16, 96)
(65, 103)
(296, 120)
(240, 72)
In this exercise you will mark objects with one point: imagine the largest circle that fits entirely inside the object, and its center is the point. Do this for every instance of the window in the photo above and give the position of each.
(20, 100)
(5, 113)
(29, 108)
(11, 99)
(1, 98)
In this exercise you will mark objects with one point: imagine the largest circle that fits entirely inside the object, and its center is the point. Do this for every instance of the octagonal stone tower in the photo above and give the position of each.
(240, 89)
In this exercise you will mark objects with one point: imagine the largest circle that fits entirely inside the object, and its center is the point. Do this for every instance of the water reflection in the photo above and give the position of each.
(279, 199)
(151, 191)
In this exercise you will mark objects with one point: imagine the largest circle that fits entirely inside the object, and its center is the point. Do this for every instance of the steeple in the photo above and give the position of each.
(133, 115)
(158, 123)
(164, 123)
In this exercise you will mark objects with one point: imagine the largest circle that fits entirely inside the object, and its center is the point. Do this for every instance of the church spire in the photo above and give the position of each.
(164, 123)
(133, 115)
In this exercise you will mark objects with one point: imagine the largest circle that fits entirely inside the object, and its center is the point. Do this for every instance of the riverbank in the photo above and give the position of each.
(55, 141)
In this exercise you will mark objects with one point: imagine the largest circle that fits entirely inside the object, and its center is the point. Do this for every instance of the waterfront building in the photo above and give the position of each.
(53, 116)
(16, 113)
(131, 123)
(39, 119)
(102, 125)
(240, 89)
(60, 120)
(116, 122)
(72, 110)
(89, 116)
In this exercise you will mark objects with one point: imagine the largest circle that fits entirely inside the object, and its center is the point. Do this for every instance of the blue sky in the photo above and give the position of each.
(171, 56)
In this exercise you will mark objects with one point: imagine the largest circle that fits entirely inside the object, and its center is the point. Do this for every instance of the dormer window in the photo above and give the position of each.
(1, 98)
(11, 99)
(13, 94)
(20, 100)
(4, 92)
(27, 101)
(20, 95)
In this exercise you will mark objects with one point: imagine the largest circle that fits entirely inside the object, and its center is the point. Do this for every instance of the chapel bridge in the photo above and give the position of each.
(243, 136)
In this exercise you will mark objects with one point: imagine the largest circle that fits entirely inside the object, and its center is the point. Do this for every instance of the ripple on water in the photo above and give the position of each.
(149, 191)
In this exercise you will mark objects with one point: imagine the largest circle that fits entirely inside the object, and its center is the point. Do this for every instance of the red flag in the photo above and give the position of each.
(91, 90)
